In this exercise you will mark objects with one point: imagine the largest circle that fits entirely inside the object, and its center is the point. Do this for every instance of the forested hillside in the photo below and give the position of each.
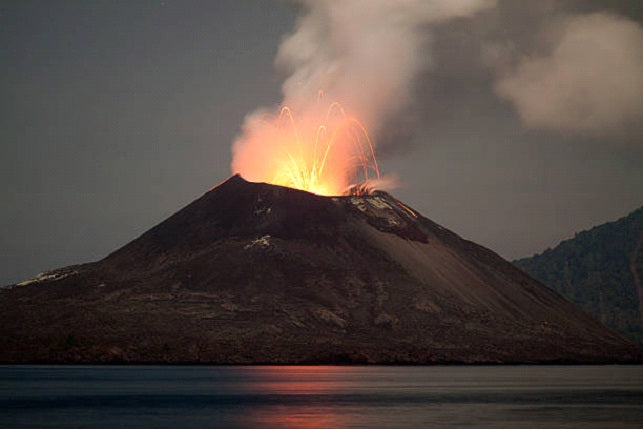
(601, 270)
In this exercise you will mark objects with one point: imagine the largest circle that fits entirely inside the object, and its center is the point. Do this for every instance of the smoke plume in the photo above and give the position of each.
(591, 82)
(363, 54)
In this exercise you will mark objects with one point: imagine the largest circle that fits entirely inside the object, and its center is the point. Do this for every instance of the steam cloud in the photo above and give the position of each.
(591, 83)
(361, 53)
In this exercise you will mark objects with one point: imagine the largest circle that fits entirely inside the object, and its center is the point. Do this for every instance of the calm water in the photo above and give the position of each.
(321, 396)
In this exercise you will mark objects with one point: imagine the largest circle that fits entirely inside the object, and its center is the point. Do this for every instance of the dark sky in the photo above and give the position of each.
(115, 114)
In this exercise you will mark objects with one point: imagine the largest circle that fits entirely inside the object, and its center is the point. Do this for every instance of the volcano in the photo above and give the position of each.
(258, 273)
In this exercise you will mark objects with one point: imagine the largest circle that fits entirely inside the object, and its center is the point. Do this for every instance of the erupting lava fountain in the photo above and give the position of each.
(323, 150)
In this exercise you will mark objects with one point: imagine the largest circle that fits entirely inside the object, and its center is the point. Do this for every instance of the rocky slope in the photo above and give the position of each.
(600, 270)
(256, 273)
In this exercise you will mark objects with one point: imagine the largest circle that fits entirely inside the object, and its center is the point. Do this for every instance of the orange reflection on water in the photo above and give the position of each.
(297, 417)
(300, 379)
(301, 396)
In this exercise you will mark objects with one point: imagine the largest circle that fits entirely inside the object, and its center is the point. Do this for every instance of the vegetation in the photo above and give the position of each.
(599, 270)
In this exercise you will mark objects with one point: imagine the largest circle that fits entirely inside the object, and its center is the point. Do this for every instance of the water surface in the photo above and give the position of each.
(321, 396)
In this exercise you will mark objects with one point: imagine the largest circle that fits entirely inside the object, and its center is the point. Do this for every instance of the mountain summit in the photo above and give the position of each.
(257, 273)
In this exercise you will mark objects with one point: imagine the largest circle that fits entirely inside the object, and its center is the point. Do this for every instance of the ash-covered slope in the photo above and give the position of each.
(256, 273)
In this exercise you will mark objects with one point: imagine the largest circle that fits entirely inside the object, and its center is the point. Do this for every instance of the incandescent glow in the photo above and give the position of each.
(345, 47)
(323, 150)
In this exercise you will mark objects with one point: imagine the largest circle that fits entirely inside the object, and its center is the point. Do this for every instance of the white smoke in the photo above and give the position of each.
(591, 82)
(363, 54)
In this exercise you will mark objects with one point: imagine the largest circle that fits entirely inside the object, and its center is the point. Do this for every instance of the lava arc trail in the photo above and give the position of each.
(324, 150)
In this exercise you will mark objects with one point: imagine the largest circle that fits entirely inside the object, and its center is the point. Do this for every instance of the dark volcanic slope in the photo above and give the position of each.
(255, 273)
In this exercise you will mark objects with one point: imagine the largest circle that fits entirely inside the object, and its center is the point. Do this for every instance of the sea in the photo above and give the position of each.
(321, 396)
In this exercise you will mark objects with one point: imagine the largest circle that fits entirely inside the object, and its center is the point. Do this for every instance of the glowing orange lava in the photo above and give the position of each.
(326, 152)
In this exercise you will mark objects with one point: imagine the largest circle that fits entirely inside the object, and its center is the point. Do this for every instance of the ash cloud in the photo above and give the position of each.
(362, 54)
(588, 83)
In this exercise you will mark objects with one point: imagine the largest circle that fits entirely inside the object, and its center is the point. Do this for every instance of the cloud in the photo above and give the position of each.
(364, 54)
(591, 83)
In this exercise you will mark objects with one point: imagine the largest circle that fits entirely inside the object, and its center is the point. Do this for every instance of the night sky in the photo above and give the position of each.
(116, 114)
